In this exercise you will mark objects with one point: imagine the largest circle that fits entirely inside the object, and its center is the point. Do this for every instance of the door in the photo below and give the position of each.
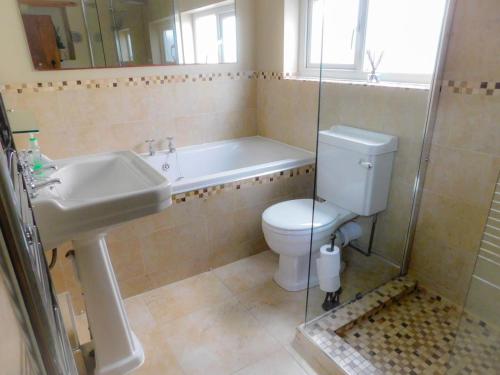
(42, 41)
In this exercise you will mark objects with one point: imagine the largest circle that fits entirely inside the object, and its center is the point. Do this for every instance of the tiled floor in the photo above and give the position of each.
(396, 331)
(412, 336)
(232, 320)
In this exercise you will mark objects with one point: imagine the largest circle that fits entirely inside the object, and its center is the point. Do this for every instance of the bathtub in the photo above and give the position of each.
(211, 164)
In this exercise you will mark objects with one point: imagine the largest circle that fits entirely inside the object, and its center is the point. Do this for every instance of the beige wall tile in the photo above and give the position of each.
(461, 174)
(85, 121)
(464, 160)
(181, 250)
(475, 42)
(126, 257)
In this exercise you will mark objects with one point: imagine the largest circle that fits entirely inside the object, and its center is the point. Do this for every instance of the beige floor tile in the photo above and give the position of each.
(139, 316)
(279, 363)
(185, 297)
(248, 273)
(300, 360)
(159, 357)
(279, 311)
(218, 340)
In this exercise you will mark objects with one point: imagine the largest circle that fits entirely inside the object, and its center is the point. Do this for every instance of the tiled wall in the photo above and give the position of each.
(465, 154)
(88, 116)
(82, 117)
(287, 111)
(195, 234)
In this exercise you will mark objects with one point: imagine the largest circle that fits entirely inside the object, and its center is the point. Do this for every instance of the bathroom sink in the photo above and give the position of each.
(93, 194)
(97, 192)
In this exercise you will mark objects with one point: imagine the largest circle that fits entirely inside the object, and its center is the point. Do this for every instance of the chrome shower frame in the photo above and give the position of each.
(432, 108)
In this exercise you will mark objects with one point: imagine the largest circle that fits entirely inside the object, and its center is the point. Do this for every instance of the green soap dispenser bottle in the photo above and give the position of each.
(35, 153)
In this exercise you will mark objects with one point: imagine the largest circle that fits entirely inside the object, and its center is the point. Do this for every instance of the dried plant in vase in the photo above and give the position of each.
(375, 63)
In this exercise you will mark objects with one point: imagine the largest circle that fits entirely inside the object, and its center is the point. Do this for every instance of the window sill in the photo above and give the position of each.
(383, 84)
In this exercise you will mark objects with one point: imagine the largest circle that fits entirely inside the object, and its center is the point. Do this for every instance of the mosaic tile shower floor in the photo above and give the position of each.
(413, 332)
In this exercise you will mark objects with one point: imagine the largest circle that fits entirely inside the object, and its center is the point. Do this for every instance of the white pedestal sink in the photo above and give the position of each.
(98, 192)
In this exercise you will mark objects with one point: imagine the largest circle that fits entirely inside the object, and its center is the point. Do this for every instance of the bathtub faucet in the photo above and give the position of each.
(171, 146)
(151, 149)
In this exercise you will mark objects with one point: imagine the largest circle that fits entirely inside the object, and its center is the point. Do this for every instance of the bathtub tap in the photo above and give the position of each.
(151, 149)
(171, 146)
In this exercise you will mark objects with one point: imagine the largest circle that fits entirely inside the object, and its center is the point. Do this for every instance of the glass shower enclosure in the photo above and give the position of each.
(380, 73)
(375, 89)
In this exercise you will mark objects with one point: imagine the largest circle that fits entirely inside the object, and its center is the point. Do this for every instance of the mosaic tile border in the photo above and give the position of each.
(207, 192)
(277, 76)
(141, 81)
(488, 88)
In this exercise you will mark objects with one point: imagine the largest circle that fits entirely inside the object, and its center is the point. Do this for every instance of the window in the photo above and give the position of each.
(168, 46)
(209, 35)
(339, 33)
(125, 45)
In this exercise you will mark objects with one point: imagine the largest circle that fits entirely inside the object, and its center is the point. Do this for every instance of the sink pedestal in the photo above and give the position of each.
(117, 349)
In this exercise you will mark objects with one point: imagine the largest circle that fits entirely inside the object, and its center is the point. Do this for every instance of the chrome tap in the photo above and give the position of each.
(171, 146)
(37, 185)
(44, 167)
(150, 143)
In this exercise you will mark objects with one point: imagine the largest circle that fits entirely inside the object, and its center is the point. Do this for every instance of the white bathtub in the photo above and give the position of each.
(216, 163)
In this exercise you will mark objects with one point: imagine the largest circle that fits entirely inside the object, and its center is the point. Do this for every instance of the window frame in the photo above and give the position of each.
(354, 72)
(228, 13)
(220, 12)
(124, 35)
(359, 34)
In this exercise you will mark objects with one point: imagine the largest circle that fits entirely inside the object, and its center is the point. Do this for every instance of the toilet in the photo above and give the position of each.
(353, 179)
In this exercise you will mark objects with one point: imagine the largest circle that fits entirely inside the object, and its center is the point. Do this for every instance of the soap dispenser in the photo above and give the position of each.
(35, 153)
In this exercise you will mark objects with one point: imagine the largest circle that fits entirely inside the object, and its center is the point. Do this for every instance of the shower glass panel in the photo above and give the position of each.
(476, 348)
(373, 106)
(94, 34)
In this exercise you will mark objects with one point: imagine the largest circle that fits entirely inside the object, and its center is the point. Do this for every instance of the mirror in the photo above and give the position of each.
(80, 34)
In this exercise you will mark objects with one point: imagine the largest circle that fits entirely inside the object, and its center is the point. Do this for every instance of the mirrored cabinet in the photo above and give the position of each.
(119, 33)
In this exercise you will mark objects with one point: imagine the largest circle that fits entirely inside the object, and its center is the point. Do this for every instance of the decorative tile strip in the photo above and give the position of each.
(144, 81)
(488, 88)
(271, 76)
(277, 76)
(207, 192)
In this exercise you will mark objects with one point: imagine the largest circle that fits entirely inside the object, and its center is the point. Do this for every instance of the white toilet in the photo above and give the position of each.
(353, 177)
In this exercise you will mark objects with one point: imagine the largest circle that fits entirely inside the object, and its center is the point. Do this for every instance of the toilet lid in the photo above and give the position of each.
(296, 215)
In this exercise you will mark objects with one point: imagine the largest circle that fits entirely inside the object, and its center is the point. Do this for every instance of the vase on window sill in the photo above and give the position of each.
(373, 78)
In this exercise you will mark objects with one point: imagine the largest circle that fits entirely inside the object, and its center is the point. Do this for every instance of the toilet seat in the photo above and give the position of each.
(287, 230)
(295, 217)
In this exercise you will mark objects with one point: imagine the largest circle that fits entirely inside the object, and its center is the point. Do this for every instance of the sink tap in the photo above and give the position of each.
(44, 167)
(35, 186)
(171, 146)
(150, 143)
